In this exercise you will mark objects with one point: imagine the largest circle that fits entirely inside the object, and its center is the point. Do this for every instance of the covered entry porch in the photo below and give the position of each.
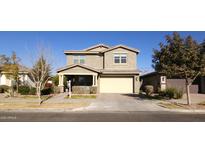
(80, 77)
(77, 80)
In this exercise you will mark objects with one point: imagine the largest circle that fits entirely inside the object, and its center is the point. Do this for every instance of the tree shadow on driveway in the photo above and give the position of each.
(144, 97)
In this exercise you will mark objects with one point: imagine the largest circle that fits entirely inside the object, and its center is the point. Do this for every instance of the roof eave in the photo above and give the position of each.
(122, 46)
(127, 73)
(96, 46)
(71, 66)
(80, 52)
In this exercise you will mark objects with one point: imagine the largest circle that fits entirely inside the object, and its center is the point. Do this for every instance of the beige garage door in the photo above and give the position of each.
(116, 85)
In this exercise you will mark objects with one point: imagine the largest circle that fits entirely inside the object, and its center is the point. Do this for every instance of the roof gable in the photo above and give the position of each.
(98, 47)
(79, 68)
(123, 47)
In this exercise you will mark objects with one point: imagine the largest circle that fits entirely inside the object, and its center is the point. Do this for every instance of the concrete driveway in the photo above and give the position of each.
(122, 102)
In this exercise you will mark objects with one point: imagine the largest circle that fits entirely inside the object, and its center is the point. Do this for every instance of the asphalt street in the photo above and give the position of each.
(135, 116)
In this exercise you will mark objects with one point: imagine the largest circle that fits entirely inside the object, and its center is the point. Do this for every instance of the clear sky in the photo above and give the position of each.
(25, 42)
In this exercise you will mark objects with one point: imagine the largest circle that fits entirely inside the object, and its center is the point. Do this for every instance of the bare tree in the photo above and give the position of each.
(4, 59)
(41, 69)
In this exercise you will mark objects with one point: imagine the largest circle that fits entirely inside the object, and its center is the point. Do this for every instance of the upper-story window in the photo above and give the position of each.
(75, 59)
(120, 58)
(79, 59)
(123, 58)
(116, 58)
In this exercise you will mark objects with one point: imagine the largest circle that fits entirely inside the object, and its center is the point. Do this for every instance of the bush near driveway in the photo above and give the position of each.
(24, 90)
(4, 88)
(93, 90)
(171, 93)
(47, 91)
(32, 91)
(56, 90)
(149, 89)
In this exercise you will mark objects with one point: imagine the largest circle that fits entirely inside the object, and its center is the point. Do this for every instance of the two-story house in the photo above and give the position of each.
(110, 69)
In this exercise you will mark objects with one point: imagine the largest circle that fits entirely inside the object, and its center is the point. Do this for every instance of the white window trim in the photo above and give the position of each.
(163, 79)
(78, 58)
(120, 55)
(75, 58)
(115, 55)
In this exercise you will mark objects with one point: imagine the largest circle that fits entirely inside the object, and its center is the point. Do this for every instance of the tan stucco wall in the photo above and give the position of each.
(109, 59)
(94, 61)
(77, 70)
(136, 84)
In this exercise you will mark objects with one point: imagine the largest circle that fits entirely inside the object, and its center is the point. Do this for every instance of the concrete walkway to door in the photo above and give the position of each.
(123, 102)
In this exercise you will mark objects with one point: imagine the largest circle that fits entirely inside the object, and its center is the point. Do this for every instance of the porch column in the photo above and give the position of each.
(61, 80)
(94, 80)
(61, 86)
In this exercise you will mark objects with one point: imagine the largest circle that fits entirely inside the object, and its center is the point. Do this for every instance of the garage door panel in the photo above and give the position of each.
(116, 85)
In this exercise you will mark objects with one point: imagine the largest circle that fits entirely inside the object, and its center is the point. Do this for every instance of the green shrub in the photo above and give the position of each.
(171, 93)
(141, 91)
(149, 89)
(179, 94)
(56, 90)
(4, 88)
(55, 80)
(162, 93)
(24, 90)
(47, 91)
(32, 91)
(93, 90)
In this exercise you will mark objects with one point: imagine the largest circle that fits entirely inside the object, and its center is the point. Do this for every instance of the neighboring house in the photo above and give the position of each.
(160, 82)
(23, 76)
(109, 69)
(157, 80)
(200, 82)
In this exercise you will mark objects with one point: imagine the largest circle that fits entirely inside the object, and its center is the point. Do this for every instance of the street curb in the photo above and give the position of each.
(98, 111)
(188, 111)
